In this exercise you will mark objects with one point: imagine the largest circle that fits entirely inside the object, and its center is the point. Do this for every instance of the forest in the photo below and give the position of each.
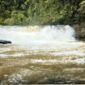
(41, 12)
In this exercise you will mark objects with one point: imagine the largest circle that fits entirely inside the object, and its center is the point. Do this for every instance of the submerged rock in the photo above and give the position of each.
(5, 42)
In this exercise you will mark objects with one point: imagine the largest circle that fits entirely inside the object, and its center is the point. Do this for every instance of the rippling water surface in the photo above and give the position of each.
(49, 54)
(37, 39)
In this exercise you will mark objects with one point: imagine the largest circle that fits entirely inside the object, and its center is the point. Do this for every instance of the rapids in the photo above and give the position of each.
(41, 55)
(40, 38)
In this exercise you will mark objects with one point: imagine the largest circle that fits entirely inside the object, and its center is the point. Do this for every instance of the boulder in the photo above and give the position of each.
(5, 42)
(80, 31)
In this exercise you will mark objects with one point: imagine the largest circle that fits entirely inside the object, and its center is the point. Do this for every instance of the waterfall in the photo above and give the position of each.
(39, 37)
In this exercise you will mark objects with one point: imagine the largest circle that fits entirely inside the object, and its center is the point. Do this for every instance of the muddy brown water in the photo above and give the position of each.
(50, 55)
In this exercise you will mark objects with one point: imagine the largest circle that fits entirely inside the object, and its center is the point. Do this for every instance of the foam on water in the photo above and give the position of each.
(52, 40)
(39, 37)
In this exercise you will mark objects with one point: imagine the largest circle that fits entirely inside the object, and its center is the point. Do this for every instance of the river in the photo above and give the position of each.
(41, 54)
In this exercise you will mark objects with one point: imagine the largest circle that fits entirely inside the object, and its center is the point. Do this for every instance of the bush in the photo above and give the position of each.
(31, 12)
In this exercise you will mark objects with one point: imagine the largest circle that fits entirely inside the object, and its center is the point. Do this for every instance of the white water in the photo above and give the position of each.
(51, 40)
(47, 37)
(42, 38)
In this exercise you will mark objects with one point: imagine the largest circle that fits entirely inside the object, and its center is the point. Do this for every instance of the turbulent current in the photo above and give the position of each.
(37, 36)
(41, 55)
(41, 38)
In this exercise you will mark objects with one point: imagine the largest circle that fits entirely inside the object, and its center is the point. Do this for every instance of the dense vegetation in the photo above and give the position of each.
(25, 12)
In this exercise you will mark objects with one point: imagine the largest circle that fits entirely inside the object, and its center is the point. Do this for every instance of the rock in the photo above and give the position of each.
(5, 42)
(80, 32)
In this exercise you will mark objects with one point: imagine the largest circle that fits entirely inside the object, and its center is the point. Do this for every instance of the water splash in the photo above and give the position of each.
(39, 37)
(56, 40)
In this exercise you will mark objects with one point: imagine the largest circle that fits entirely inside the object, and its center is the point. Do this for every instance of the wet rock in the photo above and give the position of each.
(80, 36)
(61, 81)
(5, 42)
(80, 31)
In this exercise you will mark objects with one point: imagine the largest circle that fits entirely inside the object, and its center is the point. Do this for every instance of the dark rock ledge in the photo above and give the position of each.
(5, 42)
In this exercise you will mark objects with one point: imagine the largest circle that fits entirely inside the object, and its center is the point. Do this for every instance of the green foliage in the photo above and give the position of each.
(82, 7)
(82, 11)
(32, 12)
(9, 21)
